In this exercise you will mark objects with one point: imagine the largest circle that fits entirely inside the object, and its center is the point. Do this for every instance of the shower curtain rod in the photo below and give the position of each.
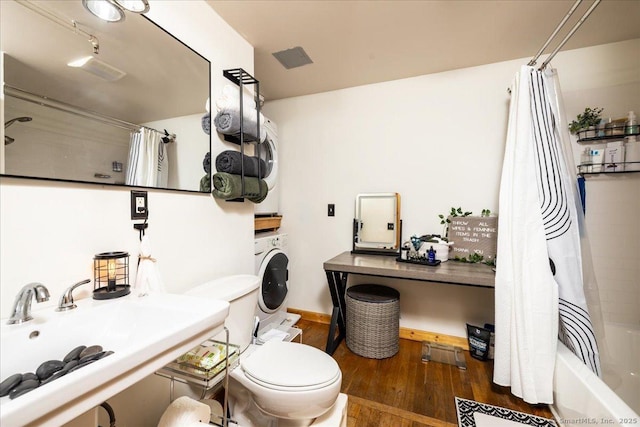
(567, 37)
(72, 109)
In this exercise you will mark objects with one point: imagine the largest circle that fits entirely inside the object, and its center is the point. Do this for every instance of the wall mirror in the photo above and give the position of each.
(377, 225)
(83, 123)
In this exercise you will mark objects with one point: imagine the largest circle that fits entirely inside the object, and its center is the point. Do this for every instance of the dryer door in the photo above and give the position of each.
(269, 153)
(274, 276)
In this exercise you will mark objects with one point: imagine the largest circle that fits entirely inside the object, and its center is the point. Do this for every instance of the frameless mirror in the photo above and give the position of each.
(83, 123)
(377, 222)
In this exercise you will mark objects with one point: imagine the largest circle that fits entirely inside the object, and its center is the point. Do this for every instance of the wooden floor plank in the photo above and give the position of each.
(404, 391)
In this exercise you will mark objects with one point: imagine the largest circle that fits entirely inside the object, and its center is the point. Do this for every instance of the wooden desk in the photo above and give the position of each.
(339, 268)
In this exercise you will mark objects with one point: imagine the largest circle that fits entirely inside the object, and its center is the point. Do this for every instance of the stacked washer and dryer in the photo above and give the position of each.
(271, 257)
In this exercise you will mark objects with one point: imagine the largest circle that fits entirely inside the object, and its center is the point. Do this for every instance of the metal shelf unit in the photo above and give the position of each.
(240, 77)
(208, 379)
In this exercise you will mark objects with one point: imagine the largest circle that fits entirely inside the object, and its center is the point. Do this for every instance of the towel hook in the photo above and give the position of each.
(142, 226)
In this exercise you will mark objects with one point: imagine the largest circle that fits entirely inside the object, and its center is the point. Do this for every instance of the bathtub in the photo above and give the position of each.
(581, 398)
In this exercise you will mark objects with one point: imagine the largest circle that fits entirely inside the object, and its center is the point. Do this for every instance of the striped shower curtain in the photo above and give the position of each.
(148, 165)
(539, 293)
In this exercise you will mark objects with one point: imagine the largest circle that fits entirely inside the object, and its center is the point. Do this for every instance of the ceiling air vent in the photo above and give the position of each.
(292, 58)
(99, 68)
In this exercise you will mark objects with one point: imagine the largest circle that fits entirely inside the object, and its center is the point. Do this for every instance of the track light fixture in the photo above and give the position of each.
(113, 10)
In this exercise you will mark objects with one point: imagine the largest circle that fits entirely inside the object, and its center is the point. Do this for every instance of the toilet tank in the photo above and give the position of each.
(241, 292)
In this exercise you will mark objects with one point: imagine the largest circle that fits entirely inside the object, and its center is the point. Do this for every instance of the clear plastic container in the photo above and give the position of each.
(631, 126)
(204, 364)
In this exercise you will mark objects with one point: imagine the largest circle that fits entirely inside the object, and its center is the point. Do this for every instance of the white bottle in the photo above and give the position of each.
(597, 155)
(632, 157)
(585, 160)
(631, 127)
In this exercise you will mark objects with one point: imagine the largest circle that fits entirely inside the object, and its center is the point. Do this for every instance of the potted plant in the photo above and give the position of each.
(447, 220)
(586, 123)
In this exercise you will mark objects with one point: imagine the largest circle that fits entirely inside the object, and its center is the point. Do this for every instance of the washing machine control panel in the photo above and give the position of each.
(267, 243)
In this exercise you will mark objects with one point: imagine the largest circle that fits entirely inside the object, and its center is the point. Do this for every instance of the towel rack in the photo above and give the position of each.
(240, 77)
(567, 37)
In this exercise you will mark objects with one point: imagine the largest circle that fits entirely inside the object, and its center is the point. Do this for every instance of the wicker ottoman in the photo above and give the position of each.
(373, 320)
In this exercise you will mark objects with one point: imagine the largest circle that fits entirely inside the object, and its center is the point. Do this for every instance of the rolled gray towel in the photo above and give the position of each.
(206, 162)
(206, 123)
(231, 162)
(227, 186)
(227, 122)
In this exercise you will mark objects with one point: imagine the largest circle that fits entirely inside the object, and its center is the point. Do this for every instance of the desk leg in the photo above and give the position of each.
(337, 287)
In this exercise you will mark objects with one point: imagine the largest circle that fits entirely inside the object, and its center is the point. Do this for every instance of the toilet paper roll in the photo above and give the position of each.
(185, 412)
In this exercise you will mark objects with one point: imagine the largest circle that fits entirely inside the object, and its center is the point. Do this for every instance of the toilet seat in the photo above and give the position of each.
(288, 366)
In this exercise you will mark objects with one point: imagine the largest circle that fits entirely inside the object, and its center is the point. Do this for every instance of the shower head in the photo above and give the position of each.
(7, 139)
(17, 119)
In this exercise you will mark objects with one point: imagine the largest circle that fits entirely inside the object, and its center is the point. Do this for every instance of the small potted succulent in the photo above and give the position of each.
(585, 124)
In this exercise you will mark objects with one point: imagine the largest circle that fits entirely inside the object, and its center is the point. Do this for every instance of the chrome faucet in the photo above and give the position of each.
(66, 300)
(22, 305)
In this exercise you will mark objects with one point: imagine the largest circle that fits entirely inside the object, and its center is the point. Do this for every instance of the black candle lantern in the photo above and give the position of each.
(110, 275)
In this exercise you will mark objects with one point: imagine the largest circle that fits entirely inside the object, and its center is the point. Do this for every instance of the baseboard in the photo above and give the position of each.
(417, 335)
(311, 316)
(406, 333)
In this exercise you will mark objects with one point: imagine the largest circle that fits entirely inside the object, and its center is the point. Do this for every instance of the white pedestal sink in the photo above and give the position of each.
(144, 333)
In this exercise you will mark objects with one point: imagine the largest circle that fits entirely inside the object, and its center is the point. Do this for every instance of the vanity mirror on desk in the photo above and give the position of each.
(377, 224)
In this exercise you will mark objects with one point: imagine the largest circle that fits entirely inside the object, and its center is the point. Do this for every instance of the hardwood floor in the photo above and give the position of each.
(404, 391)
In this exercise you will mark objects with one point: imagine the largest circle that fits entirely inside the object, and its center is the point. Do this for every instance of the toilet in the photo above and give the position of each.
(277, 383)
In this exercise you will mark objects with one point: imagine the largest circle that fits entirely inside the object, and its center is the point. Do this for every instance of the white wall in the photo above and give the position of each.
(436, 139)
(80, 146)
(613, 204)
(49, 232)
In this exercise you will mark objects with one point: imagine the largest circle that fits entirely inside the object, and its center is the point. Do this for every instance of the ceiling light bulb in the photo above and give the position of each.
(104, 10)
(136, 6)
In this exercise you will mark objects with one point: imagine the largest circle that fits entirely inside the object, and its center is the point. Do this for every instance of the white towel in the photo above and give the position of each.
(231, 95)
(148, 278)
(185, 412)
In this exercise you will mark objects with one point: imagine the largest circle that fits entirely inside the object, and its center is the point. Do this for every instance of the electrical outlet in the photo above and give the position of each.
(331, 210)
(139, 206)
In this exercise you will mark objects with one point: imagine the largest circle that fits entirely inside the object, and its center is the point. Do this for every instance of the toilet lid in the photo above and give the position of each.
(285, 365)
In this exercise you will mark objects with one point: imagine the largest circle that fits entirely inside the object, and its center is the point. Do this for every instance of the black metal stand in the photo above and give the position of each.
(240, 77)
(337, 286)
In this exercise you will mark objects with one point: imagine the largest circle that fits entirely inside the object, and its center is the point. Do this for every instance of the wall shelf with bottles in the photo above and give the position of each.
(603, 135)
(612, 168)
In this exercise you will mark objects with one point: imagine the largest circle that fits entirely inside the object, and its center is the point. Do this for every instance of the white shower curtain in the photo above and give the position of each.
(538, 295)
(148, 164)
